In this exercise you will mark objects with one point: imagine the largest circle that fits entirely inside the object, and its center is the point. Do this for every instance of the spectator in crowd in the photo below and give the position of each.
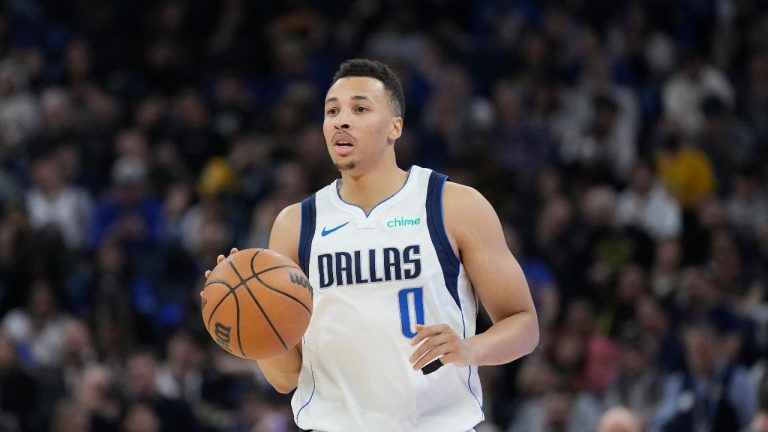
(600, 368)
(19, 109)
(712, 394)
(601, 106)
(553, 240)
(659, 336)
(179, 198)
(760, 421)
(727, 140)
(605, 246)
(71, 417)
(19, 392)
(637, 384)
(619, 308)
(59, 118)
(131, 215)
(140, 417)
(666, 268)
(113, 297)
(37, 327)
(447, 119)
(180, 376)
(94, 392)
(77, 353)
(646, 205)
(684, 170)
(259, 413)
(684, 92)
(603, 149)
(17, 256)
(551, 412)
(619, 420)
(748, 204)
(141, 385)
(53, 200)
(755, 97)
(700, 225)
(730, 273)
(523, 143)
(699, 299)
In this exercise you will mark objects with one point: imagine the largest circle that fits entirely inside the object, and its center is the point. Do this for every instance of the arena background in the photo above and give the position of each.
(622, 142)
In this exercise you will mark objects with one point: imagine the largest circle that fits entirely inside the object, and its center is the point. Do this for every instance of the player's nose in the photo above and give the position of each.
(341, 121)
(341, 125)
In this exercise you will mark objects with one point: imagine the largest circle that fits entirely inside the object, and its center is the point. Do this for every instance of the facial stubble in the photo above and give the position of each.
(345, 166)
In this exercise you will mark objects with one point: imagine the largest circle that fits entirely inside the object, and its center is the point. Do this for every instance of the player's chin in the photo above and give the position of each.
(345, 166)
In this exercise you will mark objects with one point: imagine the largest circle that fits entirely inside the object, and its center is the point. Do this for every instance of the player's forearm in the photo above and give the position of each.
(507, 340)
(282, 371)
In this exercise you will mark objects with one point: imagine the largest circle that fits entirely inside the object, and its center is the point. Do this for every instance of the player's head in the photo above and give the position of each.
(619, 419)
(379, 71)
(363, 113)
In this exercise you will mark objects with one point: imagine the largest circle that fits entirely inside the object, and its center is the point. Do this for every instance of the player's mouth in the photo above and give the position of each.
(343, 143)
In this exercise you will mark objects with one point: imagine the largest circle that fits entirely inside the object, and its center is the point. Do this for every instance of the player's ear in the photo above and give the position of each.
(396, 129)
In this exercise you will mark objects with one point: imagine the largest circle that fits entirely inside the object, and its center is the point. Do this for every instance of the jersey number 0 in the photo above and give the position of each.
(411, 310)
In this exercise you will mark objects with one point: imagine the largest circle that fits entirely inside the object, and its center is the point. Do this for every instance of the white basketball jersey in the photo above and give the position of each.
(374, 277)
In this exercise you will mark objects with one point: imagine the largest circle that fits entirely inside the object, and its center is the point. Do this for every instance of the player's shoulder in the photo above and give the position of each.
(466, 212)
(458, 197)
(288, 221)
(284, 237)
(289, 215)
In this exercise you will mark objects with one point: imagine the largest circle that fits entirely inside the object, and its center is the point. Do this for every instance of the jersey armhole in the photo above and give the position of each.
(449, 262)
(307, 233)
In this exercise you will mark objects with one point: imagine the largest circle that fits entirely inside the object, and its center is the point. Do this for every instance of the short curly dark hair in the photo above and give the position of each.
(375, 69)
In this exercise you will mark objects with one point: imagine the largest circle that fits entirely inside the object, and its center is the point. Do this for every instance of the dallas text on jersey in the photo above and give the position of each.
(344, 268)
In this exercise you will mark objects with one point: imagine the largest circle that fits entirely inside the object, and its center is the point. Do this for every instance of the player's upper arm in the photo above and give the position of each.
(284, 237)
(495, 274)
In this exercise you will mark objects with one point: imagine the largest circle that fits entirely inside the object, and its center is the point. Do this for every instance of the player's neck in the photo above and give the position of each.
(372, 187)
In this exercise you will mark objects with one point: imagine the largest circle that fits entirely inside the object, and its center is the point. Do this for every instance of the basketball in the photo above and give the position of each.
(256, 303)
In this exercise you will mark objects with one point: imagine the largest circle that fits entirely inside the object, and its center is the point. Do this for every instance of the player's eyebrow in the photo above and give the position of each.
(356, 97)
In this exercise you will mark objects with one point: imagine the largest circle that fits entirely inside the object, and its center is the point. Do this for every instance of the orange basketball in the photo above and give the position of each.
(256, 303)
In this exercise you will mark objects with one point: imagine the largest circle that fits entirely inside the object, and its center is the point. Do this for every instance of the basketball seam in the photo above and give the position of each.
(215, 308)
(266, 270)
(253, 270)
(248, 279)
(258, 304)
(285, 294)
(237, 308)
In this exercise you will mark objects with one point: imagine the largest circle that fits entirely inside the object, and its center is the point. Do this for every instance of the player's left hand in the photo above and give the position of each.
(439, 342)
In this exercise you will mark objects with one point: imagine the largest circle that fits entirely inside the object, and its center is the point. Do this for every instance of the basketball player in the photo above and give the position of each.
(397, 261)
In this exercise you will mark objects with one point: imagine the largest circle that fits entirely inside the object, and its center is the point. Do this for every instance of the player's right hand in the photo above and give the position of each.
(219, 259)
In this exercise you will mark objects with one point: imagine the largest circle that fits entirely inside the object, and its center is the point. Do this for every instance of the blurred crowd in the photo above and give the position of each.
(623, 143)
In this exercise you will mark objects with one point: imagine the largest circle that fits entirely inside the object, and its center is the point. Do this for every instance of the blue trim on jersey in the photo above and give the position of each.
(308, 222)
(310, 395)
(337, 184)
(469, 377)
(449, 262)
(469, 385)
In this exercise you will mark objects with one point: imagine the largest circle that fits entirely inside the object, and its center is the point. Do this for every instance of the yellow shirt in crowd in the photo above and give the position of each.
(687, 174)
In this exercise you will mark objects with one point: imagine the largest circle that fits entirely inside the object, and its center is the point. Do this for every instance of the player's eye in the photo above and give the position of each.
(360, 109)
(331, 111)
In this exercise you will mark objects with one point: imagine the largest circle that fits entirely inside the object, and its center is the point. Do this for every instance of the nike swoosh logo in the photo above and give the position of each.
(329, 231)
